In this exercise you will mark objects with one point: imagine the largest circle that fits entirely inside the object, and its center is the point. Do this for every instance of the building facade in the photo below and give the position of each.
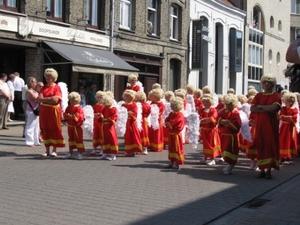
(96, 41)
(216, 45)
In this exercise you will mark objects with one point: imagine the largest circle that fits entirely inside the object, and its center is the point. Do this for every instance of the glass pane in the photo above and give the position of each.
(253, 54)
(249, 53)
(58, 9)
(11, 3)
(152, 4)
(95, 13)
(1, 2)
(249, 72)
(261, 57)
(257, 56)
(49, 5)
(88, 9)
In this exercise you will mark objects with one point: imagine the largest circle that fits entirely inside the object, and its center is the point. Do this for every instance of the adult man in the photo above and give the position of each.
(18, 103)
(91, 95)
(5, 96)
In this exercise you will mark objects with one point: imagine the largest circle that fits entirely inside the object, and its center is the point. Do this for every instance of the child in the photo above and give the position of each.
(74, 116)
(209, 132)
(132, 137)
(288, 129)
(146, 110)
(229, 122)
(108, 117)
(97, 134)
(197, 99)
(156, 136)
(175, 122)
(132, 80)
(167, 98)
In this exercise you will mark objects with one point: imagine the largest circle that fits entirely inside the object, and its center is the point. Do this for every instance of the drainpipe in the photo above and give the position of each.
(112, 22)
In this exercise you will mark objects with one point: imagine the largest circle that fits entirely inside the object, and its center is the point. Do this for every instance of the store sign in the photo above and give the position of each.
(196, 45)
(70, 34)
(96, 59)
(8, 23)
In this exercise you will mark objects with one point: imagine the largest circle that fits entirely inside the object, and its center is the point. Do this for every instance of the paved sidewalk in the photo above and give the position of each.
(137, 190)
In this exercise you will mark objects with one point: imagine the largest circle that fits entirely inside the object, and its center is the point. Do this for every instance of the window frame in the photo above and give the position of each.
(53, 10)
(294, 4)
(11, 8)
(124, 17)
(174, 23)
(100, 14)
(155, 20)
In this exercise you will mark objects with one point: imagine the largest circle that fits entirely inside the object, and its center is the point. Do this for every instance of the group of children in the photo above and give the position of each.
(158, 121)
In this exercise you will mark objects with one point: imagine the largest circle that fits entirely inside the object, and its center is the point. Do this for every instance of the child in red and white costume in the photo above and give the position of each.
(74, 116)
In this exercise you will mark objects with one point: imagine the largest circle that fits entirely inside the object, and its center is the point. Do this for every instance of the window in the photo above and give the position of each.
(174, 76)
(95, 10)
(11, 5)
(55, 9)
(295, 6)
(271, 22)
(255, 55)
(279, 26)
(174, 23)
(153, 17)
(278, 59)
(270, 56)
(125, 14)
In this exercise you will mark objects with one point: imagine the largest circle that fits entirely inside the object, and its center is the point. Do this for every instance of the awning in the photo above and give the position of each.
(92, 60)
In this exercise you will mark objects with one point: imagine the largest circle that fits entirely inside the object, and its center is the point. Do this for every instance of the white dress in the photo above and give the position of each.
(10, 103)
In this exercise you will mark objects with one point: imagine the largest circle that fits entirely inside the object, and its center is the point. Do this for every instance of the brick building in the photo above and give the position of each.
(92, 42)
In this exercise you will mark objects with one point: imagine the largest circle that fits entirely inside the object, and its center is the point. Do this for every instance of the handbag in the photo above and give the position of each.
(35, 111)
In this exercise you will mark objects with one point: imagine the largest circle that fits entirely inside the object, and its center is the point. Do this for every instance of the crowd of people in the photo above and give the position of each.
(263, 125)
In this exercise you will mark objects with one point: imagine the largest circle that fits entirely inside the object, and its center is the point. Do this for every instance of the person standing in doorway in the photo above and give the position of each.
(91, 95)
(5, 96)
(10, 108)
(18, 84)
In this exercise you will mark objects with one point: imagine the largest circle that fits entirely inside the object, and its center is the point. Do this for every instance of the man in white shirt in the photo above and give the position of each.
(4, 97)
(18, 103)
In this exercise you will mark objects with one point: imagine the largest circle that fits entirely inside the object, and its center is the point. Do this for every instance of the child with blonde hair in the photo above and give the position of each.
(289, 115)
(167, 97)
(175, 123)
(208, 129)
(132, 136)
(97, 134)
(132, 80)
(156, 135)
(74, 116)
(229, 124)
(109, 116)
(146, 110)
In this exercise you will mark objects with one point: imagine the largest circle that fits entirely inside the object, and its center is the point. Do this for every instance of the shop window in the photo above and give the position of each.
(175, 22)
(126, 14)
(153, 17)
(55, 9)
(95, 13)
(10, 5)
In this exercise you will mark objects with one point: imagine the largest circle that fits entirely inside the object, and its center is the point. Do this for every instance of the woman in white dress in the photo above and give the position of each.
(32, 129)
(10, 108)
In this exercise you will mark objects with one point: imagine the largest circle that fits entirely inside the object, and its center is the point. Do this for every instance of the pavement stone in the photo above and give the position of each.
(137, 190)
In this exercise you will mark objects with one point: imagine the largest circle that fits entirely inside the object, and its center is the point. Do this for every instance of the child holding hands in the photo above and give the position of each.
(74, 116)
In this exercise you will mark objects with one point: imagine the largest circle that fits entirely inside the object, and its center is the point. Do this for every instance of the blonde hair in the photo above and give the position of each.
(250, 99)
(140, 96)
(206, 90)
(169, 94)
(289, 96)
(74, 96)
(157, 93)
(100, 94)
(251, 87)
(180, 93)
(52, 72)
(283, 92)
(156, 86)
(30, 81)
(198, 93)
(230, 91)
(129, 93)
(208, 97)
(220, 97)
(231, 99)
(190, 88)
(252, 92)
(176, 104)
(269, 78)
(110, 94)
(107, 101)
(242, 98)
(132, 77)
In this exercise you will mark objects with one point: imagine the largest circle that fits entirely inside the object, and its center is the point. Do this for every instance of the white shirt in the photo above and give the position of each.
(4, 88)
(24, 89)
(18, 83)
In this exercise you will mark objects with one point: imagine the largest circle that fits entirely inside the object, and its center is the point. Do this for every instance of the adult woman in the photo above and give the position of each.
(5, 96)
(32, 129)
(50, 113)
(265, 107)
(10, 85)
